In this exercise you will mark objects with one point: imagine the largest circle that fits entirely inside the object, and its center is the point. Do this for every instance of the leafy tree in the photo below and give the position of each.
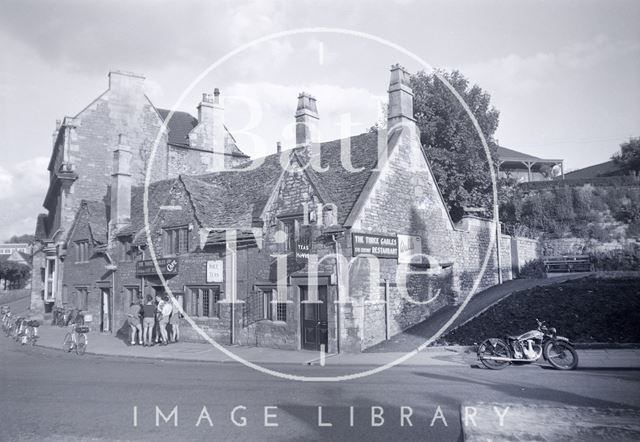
(629, 156)
(452, 144)
(27, 237)
(13, 274)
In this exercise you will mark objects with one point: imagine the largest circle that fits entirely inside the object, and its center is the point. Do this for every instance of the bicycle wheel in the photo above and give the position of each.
(67, 344)
(81, 346)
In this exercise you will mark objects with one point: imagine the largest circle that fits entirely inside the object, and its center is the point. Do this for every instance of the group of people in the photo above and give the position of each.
(150, 321)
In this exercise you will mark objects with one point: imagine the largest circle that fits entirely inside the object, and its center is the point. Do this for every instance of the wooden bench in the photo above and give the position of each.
(567, 264)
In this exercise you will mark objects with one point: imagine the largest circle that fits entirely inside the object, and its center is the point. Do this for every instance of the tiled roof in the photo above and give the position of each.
(181, 123)
(158, 194)
(597, 170)
(237, 198)
(233, 199)
(338, 185)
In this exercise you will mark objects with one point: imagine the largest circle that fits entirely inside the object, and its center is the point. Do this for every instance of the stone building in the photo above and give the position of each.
(81, 163)
(358, 224)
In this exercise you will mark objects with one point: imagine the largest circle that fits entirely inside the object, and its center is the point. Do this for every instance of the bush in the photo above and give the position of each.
(620, 259)
(533, 270)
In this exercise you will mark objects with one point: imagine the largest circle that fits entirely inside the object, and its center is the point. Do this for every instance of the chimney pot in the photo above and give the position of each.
(278, 147)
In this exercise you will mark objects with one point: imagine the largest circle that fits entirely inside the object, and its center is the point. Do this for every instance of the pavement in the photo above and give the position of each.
(107, 344)
(504, 421)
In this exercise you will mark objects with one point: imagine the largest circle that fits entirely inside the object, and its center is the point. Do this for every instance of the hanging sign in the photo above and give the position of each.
(168, 266)
(381, 246)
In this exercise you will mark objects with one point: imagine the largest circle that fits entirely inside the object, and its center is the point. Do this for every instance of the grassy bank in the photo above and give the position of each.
(584, 310)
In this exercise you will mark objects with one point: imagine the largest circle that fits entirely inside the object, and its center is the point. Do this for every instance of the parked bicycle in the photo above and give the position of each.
(76, 339)
(19, 324)
(30, 333)
(7, 319)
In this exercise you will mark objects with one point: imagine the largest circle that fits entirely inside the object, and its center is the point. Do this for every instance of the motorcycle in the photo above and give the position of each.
(527, 348)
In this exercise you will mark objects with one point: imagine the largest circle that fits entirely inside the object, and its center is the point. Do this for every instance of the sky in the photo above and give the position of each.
(565, 75)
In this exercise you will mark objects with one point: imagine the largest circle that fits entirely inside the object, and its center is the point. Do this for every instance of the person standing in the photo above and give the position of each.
(134, 323)
(165, 308)
(148, 319)
(174, 320)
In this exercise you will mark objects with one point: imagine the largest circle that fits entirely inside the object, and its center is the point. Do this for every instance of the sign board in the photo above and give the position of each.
(215, 271)
(168, 266)
(409, 245)
(303, 249)
(380, 246)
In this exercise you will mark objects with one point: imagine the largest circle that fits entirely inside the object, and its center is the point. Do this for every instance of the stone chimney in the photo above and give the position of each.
(306, 120)
(400, 97)
(211, 133)
(121, 185)
(278, 147)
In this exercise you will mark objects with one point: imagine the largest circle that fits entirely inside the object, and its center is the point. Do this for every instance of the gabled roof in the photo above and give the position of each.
(98, 221)
(603, 169)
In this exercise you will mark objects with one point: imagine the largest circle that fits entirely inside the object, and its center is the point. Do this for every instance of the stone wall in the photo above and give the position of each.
(403, 200)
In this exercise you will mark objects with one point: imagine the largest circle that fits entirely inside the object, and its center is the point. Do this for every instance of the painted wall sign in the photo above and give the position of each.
(168, 266)
(409, 245)
(380, 246)
(215, 271)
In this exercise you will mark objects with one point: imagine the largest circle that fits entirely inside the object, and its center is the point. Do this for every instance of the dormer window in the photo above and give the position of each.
(175, 241)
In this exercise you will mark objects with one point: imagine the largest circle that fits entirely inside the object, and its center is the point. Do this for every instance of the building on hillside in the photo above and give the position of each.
(608, 168)
(370, 239)
(526, 168)
(81, 162)
(10, 248)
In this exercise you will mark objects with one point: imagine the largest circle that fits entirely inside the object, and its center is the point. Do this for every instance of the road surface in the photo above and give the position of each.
(50, 395)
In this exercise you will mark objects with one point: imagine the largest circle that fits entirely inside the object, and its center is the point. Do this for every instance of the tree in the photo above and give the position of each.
(13, 274)
(451, 141)
(27, 237)
(629, 156)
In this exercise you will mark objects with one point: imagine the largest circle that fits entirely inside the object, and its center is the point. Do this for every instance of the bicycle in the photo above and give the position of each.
(31, 332)
(7, 320)
(76, 339)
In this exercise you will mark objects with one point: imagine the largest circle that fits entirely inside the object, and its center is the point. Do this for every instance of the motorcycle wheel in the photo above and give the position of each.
(494, 347)
(561, 355)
